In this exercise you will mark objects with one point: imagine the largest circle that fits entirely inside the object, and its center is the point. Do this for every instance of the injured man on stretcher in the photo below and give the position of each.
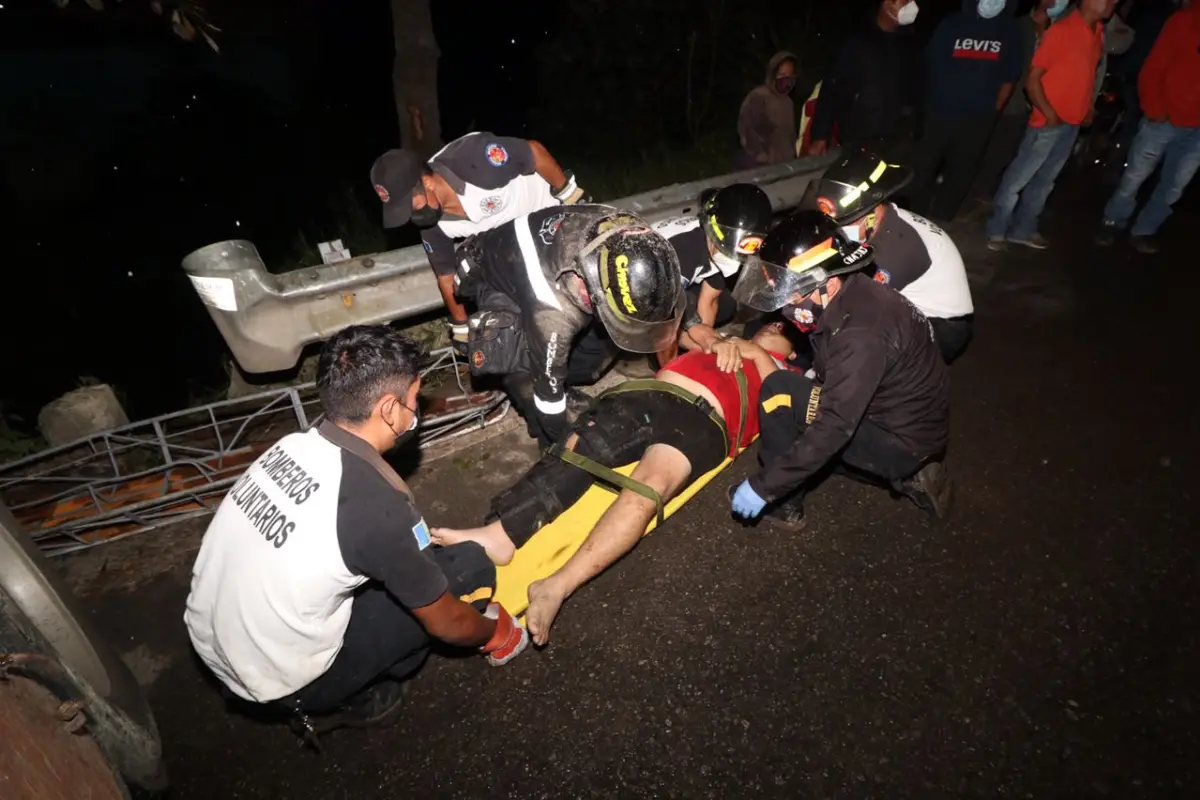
(699, 409)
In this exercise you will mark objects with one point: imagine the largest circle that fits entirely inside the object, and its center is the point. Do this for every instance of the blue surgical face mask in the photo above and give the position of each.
(1057, 10)
(988, 9)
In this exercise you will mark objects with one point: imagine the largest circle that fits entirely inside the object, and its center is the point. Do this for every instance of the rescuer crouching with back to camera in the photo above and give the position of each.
(877, 405)
(316, 589)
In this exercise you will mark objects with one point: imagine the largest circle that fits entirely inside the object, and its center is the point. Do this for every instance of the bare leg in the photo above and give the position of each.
(664, 469)
(492, 537)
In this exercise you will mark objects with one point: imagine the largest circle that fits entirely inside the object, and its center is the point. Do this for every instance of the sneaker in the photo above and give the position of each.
(930, 489)
(1107, 235)
(997, 243)
(1035, 241)
(1144, 244)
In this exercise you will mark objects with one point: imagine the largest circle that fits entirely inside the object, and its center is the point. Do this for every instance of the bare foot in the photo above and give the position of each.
(492, 538)
(545, 599)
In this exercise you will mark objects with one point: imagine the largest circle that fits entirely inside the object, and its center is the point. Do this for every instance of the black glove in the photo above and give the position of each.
(551, 427)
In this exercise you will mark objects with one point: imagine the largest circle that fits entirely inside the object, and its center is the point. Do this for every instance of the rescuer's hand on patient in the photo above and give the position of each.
(509, 639)
(729, 358)
(746, 502)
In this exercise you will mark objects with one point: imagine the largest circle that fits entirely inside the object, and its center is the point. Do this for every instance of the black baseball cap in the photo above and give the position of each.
(394, 175)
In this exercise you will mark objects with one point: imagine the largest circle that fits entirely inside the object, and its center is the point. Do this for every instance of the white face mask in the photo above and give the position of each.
(728, 266)
(990, 9)
(908, 14)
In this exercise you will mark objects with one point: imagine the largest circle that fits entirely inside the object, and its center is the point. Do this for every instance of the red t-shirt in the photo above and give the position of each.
(1169, 83)
(1069, 52)
(702, 368)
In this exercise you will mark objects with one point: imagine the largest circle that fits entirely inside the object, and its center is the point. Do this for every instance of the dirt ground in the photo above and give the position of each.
(1042, 643)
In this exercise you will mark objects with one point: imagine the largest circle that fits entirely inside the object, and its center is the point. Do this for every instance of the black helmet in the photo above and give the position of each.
(855, 184)
(735, 218)
(804, 251)
(632, 275)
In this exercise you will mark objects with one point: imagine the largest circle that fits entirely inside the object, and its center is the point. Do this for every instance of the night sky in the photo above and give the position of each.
(126, 148)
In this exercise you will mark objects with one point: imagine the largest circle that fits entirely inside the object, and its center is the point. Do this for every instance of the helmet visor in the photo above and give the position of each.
(736, 243)
(769, 287)
(636, 336)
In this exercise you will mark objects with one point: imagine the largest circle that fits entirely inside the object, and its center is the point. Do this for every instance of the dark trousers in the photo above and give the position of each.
(953, 335)
(384, 639)
(953, 148)
(614, 432)
(872, 455)
(591, 353)
(1001, 150)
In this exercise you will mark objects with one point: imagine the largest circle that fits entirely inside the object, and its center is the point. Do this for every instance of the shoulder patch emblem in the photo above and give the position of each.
(883, 276)
(428, 247)
(497, 156)
(421, 534)
(550, 227)
(383, 193)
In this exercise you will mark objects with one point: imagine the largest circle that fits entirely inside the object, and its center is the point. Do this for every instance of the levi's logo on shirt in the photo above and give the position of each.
(977, 48)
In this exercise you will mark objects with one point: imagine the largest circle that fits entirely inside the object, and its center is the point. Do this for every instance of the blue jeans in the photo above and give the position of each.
(1030, 179)
(1179, 151)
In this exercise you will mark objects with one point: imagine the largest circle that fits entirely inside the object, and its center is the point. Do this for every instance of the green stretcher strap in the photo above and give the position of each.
(612, 476)
(609, 475)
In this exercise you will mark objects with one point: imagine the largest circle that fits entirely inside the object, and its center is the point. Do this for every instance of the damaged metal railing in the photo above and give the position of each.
(267, 319)
(163, 470)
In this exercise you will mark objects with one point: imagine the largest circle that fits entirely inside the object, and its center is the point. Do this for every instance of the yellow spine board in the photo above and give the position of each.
(554, 544)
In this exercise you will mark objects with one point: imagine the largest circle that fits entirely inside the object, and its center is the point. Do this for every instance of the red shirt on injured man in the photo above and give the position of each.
(702, 368)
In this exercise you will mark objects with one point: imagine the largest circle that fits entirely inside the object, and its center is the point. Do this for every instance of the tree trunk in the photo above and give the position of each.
(414, 77)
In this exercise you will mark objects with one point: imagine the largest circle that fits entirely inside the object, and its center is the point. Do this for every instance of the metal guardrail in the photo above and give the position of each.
(156, 472)
(267, 319)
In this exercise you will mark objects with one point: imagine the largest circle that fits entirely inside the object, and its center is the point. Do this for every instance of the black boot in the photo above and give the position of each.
(372, 706)
(787, 514)
(931, 489)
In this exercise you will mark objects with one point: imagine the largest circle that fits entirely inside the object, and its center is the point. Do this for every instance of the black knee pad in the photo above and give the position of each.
(467, 568)
(526, 508)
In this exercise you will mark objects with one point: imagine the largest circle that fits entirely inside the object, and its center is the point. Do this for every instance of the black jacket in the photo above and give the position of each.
(876, 77)
(520, 262)
(875, 357)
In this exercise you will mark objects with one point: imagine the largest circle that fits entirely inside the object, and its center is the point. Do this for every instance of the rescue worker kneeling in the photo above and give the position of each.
(544, 280)
(315, 589)
(912, 255)
(700, 409)
(879, 405)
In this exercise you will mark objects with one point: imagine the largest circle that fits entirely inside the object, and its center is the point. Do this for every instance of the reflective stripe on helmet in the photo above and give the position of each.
(813, 256)
(854, 194)
(712, 223)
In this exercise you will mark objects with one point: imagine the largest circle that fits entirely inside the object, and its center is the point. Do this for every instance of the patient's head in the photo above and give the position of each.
(774, 336)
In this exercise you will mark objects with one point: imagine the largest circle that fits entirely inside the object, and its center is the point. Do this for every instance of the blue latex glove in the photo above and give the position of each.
(746, 502)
